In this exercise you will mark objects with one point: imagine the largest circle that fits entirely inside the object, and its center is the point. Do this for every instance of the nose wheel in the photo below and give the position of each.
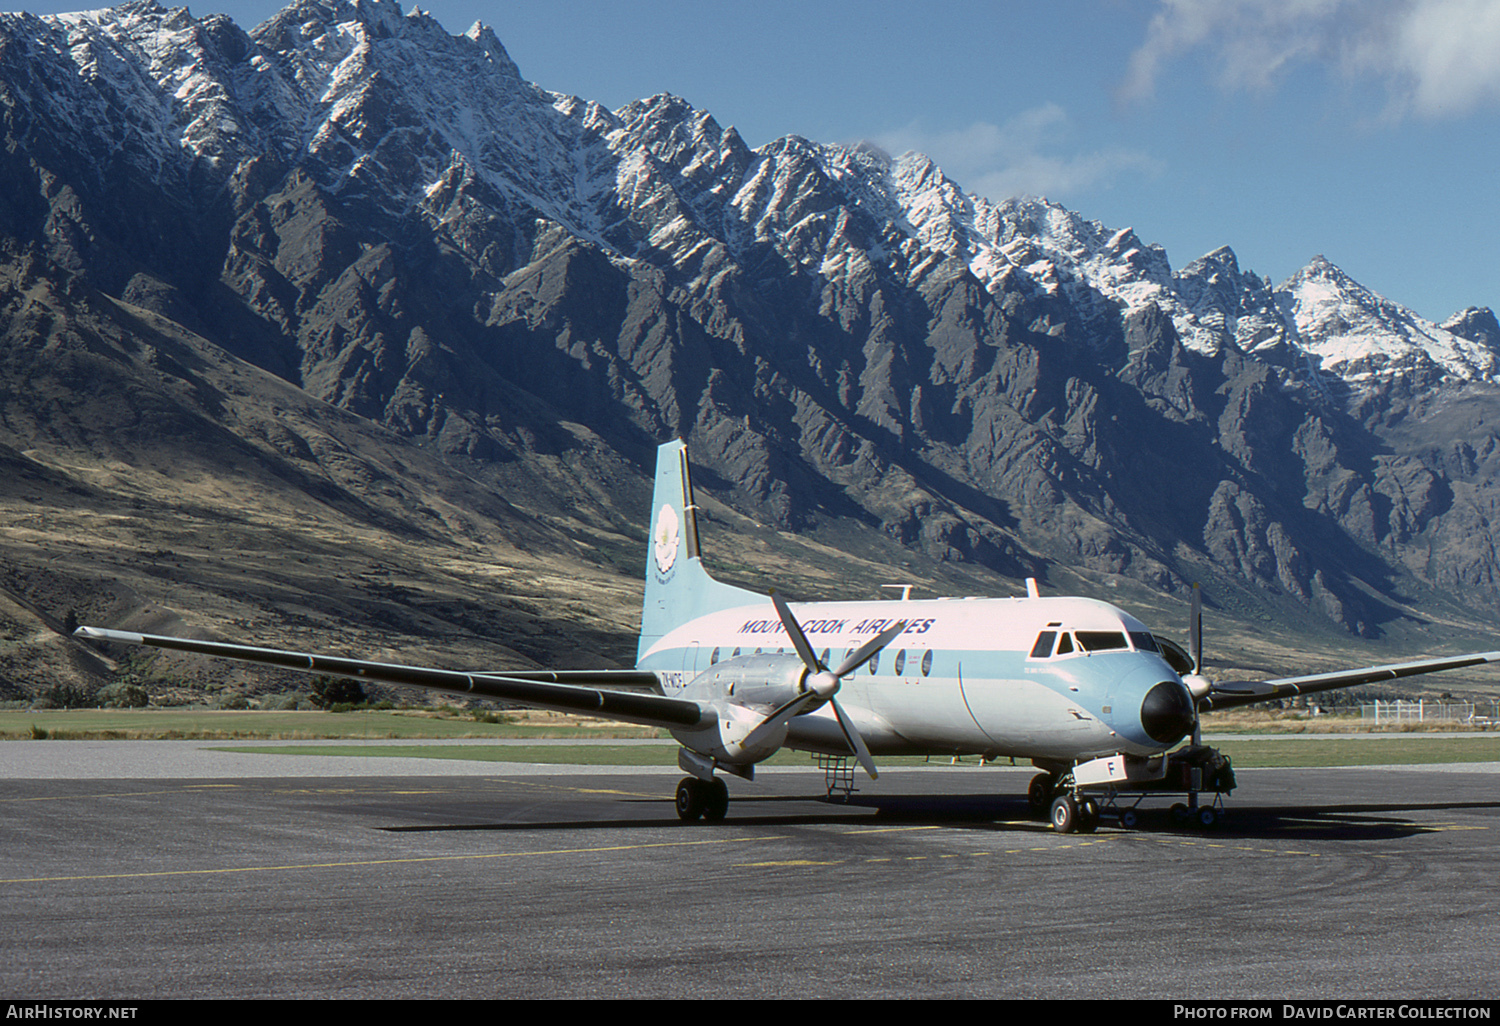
(1075, 815)
(704, 799)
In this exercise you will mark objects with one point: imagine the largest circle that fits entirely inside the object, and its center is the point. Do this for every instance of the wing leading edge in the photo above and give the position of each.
(1230, 693)
(559, 690)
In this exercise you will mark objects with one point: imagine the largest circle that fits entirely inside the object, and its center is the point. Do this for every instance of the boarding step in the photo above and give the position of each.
(838, 775)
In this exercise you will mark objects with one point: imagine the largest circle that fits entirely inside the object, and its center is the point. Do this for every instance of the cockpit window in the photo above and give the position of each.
(1043, 647)
(1065, 644)
(1101, 641)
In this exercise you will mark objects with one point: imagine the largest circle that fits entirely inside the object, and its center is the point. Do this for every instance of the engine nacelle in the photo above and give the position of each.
(762, 682)
(746, 689)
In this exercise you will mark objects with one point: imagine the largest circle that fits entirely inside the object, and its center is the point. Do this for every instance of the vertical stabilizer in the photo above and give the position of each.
(677, 587)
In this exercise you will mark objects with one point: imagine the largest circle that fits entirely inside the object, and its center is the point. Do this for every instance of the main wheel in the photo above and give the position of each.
(1065, 814)
(1039, 794)
(716, 801)
(1088, 816)
(690, 799)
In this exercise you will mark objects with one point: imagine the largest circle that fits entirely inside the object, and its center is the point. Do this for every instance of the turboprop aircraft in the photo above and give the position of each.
(1080, 688)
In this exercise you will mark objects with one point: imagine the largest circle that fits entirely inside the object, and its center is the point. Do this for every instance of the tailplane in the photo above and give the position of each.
(678, 588)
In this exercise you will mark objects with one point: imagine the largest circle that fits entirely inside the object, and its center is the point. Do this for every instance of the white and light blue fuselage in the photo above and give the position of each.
(1055, 680)
(961, 679)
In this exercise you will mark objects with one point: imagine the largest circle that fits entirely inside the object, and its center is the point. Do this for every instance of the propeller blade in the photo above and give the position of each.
(855, 741)
(1195, 628)
(777, 718)
(794, 631)
(867, 651)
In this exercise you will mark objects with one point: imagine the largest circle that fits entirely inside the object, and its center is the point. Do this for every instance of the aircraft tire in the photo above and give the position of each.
(1065, 816)
(1178, 814)
(716, 801)
(1039, 794)
(690, 799)
(1088, 816)
(1207, 817)
(1129, 819)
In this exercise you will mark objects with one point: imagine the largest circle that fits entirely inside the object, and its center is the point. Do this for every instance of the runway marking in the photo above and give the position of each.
(788, 862)
(107, 794)
(543, 785)
(384, 862)
(889, 830)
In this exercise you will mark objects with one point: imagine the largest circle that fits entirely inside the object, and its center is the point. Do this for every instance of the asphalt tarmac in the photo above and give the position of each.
(137, 870)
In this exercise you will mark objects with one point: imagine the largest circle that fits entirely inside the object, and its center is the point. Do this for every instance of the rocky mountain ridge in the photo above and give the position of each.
(536, 290)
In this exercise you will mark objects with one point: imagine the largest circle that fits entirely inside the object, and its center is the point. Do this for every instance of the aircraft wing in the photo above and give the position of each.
(1230, 693)
(587, 692)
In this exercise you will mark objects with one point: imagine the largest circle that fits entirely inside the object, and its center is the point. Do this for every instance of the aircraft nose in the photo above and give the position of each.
(1167, 712)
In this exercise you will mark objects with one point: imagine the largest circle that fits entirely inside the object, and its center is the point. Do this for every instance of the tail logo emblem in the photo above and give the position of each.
(667, 527)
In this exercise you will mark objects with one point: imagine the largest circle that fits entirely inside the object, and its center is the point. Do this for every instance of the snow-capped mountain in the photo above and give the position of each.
(392, 218)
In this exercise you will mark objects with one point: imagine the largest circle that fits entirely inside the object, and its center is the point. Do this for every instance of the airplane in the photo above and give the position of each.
(1079, 687)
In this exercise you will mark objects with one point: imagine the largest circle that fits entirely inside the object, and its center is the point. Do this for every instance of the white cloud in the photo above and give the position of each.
(1436, 58)
(1026, 156)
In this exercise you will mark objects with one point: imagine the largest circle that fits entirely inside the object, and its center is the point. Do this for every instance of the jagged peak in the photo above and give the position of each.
(1222, 257)
(660, 106)
(865, 148)
(1477, 324)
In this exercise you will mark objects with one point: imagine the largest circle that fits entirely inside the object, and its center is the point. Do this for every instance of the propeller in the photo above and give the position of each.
(821, 684)
(1195, 638)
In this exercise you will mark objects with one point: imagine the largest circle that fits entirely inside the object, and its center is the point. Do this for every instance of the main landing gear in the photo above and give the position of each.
(696, 798)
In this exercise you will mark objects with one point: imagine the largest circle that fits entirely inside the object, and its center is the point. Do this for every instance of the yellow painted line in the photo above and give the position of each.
(384, 862)
(889, 830)
(107, 794)
(788, 862)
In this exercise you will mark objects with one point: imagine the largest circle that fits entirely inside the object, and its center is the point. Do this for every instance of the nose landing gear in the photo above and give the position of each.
(1074, 815)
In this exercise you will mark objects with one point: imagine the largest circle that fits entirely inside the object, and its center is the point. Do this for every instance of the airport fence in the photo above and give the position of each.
(1477, 714)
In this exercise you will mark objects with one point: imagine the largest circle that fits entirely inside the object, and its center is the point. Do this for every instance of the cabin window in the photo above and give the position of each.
(900, 663)
(874, 664)
(1101, 641)
(927, 662)
(713, 658)
(735, 654)
(824, 657)
(1043, 647)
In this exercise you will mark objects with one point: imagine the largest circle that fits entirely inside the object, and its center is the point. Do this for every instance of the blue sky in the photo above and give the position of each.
(1365, 130)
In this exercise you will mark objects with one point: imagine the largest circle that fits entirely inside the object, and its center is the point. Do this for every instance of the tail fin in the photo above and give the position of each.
(677, 587)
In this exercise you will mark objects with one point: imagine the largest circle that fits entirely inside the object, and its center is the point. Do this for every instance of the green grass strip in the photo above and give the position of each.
(1376, 751)
(221, 724)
